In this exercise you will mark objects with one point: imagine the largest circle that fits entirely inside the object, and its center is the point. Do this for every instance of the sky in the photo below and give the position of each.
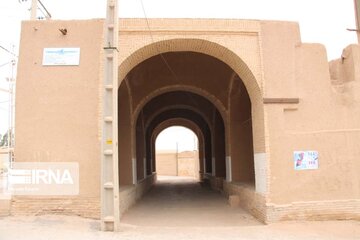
(177, 137)
(321, 21)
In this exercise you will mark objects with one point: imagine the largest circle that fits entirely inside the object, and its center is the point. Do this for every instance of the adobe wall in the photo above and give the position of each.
(58, 109)
(171, 163)
(326, 120)
(167, 163)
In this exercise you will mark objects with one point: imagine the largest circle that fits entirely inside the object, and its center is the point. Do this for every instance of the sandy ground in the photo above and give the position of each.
(176, 209)
(181, 201)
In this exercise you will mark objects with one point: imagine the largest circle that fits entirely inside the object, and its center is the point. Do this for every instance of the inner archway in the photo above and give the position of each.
(181, 105)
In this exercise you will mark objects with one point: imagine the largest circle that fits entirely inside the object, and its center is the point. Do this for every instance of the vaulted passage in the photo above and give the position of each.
(196, 91)
(183, 105)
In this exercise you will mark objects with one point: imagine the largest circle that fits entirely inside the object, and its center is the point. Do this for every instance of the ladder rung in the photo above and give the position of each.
(110, 56)
(112, 4)
(109, 87)
(110, 26)
(109, 185)
(108, 119)
(108, 152)
(109, 219)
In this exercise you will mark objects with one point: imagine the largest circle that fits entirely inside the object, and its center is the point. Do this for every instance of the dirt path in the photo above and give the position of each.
(65, 227)
(176, 210)
(181, 201)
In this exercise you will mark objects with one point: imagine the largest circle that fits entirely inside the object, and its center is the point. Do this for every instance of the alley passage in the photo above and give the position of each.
(182, 201)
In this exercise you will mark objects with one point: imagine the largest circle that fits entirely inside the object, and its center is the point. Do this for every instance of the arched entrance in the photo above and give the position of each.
(215, 50)
(201, 83)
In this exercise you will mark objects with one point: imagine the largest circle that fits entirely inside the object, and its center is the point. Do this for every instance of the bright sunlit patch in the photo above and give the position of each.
(177, 138)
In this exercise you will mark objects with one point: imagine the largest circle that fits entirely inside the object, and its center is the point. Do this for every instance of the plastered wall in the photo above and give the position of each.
(58, 108)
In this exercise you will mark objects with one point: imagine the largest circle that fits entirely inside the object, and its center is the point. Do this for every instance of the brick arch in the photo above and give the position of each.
(195, 45)
(215, 50)
(186, 88)
(195, 118)
(174, 89)
(207, 116)
(183, 122)
(164, 109)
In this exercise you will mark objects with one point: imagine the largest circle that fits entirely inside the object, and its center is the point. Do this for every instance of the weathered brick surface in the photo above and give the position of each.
(248, 198)
(4, 207)
(79, 206)
(312, 210)
(316, 210)
(129, 195)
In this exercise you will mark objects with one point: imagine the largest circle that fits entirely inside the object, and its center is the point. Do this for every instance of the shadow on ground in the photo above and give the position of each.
(183, 201)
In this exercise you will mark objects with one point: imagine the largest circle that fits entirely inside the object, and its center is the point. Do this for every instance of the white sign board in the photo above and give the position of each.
(43, 178)
(61, 57)
(304, 160)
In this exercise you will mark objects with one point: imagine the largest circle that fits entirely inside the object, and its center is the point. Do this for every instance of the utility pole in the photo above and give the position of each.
(110, 209)
(177, 158)
(11, 135)
(34, 10)
(11, 101)
(357, 17)
(34, 7)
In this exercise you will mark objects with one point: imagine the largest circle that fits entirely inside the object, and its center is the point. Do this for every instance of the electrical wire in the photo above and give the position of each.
(47, 12)
(42, 12)
(8, 51)
(152, 40)
(162, 56)
(2, 65)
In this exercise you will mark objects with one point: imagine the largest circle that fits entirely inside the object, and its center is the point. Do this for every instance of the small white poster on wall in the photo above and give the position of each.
(61, 57)
(305, 160)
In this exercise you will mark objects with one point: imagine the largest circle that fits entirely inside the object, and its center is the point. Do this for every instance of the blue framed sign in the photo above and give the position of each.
(61, 57)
